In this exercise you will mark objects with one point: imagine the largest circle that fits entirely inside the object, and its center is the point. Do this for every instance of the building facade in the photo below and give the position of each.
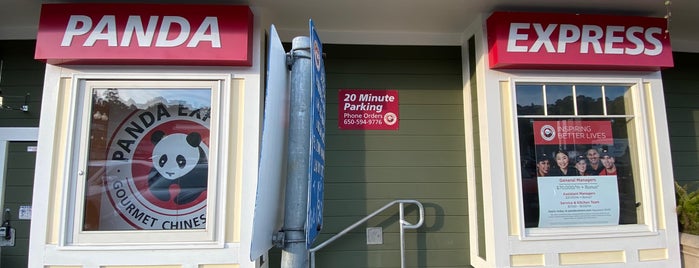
(116, 92)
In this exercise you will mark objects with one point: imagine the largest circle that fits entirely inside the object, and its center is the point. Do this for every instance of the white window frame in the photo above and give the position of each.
(212, 236)
(649, 224)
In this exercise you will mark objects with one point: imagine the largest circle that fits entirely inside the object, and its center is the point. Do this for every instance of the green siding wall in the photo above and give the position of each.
(423, 160)
(21, 74)
(681, 88)
(19, 181)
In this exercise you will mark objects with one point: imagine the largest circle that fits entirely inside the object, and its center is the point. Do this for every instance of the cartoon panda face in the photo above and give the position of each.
(175, 155)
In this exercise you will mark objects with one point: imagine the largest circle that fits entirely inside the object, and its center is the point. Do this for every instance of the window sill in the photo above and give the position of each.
(628, 230)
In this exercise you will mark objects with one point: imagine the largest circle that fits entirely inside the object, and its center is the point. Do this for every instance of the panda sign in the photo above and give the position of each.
(156, 171)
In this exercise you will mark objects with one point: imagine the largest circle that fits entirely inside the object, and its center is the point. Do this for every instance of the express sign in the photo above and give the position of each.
(145, 34)
(572, 41)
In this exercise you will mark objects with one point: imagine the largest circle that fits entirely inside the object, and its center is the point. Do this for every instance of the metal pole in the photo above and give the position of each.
(294, 252)
(401, 222)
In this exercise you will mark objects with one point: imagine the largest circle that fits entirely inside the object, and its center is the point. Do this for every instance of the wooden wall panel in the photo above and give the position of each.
(681, 90)
(21, 75)
(423, 160)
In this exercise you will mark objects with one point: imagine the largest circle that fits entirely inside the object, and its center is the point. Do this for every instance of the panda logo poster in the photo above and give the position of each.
(156, 165)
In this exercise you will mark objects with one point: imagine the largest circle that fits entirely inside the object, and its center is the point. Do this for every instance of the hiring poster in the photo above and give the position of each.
(577, 180)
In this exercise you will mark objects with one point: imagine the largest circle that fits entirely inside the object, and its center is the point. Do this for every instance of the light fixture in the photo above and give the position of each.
(24, 107)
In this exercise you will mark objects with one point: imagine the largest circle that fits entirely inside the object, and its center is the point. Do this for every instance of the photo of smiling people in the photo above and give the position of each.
(562, 165)
(581, 165)
(594, 166)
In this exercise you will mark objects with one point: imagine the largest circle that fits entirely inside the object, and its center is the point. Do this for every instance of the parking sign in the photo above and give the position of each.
(316, 164)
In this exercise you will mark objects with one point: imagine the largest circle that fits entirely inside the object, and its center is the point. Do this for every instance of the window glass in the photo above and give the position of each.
(577, 170)
(559, 99)
(589, 99)
(530, 100)
(148, 153)
(615, 99)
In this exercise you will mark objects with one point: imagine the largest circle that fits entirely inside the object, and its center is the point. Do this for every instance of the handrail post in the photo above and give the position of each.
(402, 235)
(313, 259)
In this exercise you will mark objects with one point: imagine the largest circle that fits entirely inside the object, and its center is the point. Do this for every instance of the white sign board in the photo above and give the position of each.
(269, 201)
(578, 201)
(25, 212)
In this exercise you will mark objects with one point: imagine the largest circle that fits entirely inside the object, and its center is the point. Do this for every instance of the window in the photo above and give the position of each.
(144, 162)
(578, 154)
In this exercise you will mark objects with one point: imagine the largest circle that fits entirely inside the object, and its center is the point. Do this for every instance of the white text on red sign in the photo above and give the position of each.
(106, 30)
(368, 102)
(602, 41)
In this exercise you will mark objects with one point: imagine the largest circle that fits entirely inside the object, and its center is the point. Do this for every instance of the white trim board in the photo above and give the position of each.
(19, 133)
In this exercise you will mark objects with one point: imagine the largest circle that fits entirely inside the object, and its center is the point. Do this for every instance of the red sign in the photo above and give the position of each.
(145, 34)
(572, 132)
(572, 41)
(368, 109)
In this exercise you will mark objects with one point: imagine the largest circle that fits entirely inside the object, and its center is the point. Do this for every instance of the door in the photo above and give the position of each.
(17, 159)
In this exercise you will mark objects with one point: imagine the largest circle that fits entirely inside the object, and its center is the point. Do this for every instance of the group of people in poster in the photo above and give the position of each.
(589, 163)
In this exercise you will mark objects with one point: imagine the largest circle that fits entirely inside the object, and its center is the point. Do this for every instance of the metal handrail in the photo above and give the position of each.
(403, 225)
